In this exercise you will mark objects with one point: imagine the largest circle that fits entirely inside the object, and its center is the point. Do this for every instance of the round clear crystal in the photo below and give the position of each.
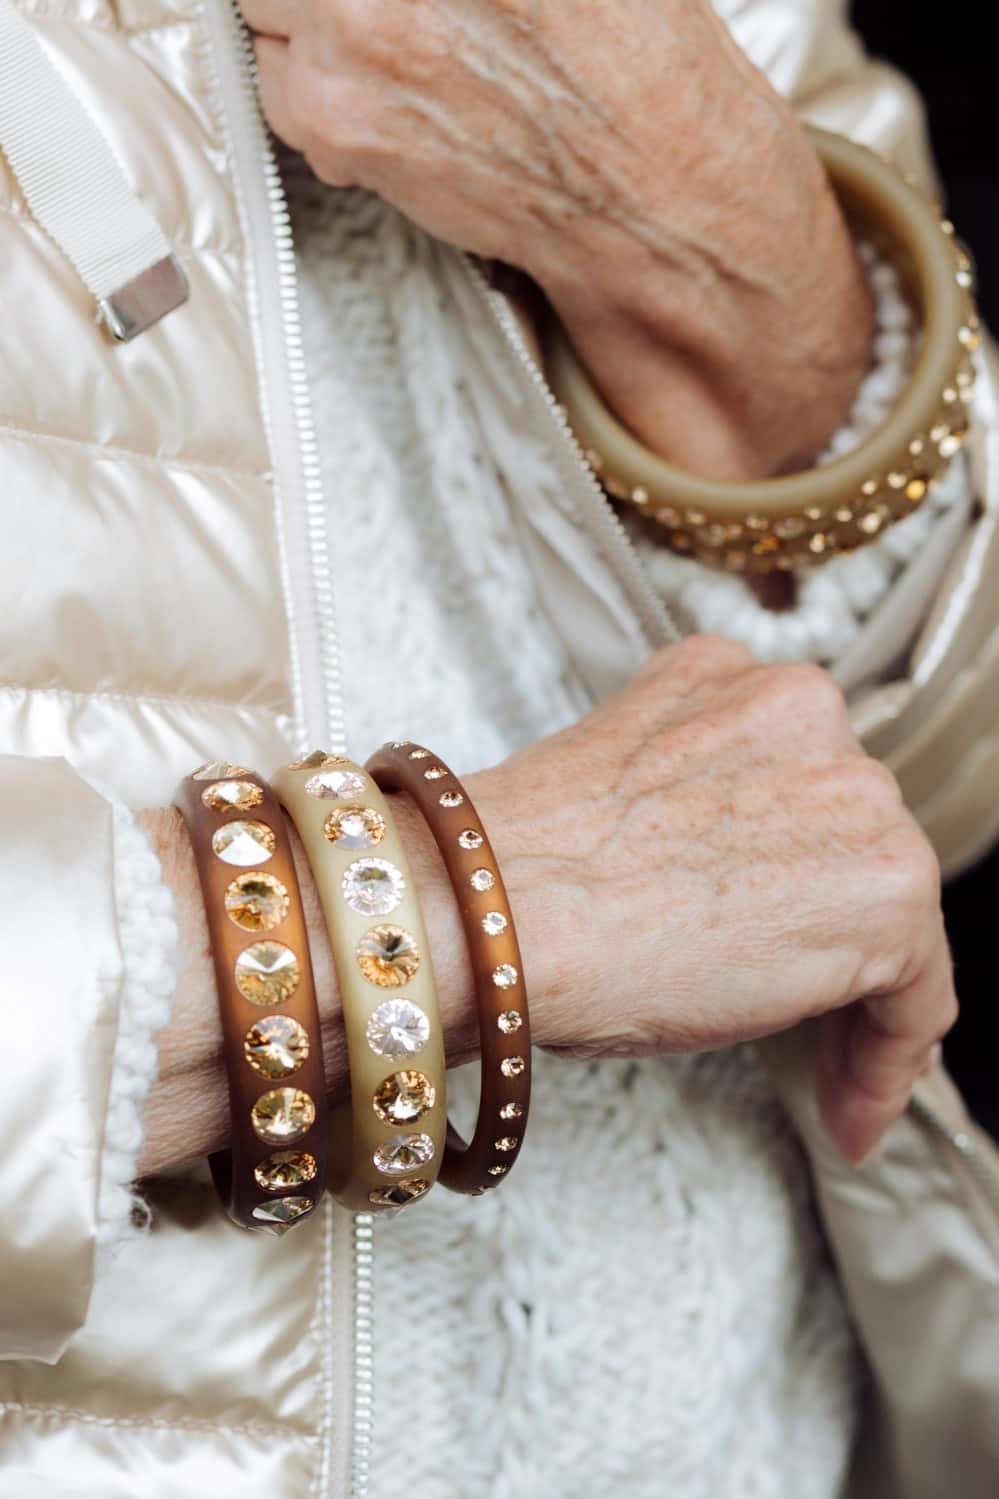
(398, 1028)
(451, 799)
(283, 1209)
(512, 1066)
(284, 1169)
(506, 1143)
(404, 1098)
(404, 1154)
(256, 902)
(512, 1111)
(419, 754)
(470, 839)
(435, 773)
(482, 879)
(355, 827)
(267, 973)
(276, 1046)
(399, 1193)
(282, 1115)
(494, 923)
(498, 1170)
(505, 976)
(244, 842)
(510, 1021)
(388, 956)
(373, 887)
(232, 796)
(220, 770)
(336, 785)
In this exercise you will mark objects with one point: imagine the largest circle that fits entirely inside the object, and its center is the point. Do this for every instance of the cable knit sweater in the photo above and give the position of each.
(648, 1310)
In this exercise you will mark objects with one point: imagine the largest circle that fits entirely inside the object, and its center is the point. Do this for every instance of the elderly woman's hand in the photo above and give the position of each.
(628, 157)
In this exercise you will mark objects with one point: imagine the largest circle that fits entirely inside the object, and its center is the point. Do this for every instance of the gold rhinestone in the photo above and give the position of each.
(283, 1115)
(498, 1170)
(276, 1046)
(790, 527)
(220, 770)
(512, 1111)
(512, 1066)
(404, 1098)
(257, 902)
(916, 446)
(949, 396)
(435, 773)
(232, 796)
(939, 432)
(510, 1021)
(950, 446)
(404, 1153)
(335, 785)
(757, 523)
(844, 515)
(965, 377)
(968, 338)
(965, 279)
(244, 842)
(284, 1169)
(451, 799)
(695, 518)
(506, 1143)
(915, 490)
(817, 543)
(870, 523)
(639, 496)
(814, 512)
(388, 956)
(897, 480)
(399, 1193)
(419, 754)
(765, 546)
(267, 973)
(283, 1211)
(869, 487)
(354, 827)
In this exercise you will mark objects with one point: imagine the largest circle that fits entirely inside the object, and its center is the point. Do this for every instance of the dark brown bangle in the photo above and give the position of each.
(504, 1024)
(275, 1173)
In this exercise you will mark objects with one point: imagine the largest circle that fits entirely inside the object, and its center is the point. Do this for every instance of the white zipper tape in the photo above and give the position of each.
(76, 189)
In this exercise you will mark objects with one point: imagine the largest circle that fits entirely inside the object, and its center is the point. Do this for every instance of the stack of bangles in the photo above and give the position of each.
(391, 1141)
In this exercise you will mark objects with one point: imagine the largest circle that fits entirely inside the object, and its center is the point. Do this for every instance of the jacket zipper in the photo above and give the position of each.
(316, 676)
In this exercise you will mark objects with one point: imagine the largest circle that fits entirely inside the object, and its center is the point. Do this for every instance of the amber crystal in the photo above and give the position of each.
(232, 796)
(283, 1114)
(256, 902)
(388, 956)
(283, 1210)
(354, 827)
(404, 1098)
(399, 1193)
(403, 1154)
(276, 1046)
(244, 843)
(267, 973)
(285, 1169)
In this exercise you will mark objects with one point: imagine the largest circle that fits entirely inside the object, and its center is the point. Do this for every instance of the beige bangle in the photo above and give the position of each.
(387, 1144)
(807, 517)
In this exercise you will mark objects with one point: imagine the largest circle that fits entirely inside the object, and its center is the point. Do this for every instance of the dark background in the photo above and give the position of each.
(943, 50)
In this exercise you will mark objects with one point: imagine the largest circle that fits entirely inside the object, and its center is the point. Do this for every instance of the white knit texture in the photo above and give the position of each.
(646, 1309)
(150, 949)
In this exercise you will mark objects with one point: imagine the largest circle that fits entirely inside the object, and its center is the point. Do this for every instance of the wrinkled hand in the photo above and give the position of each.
(627, 156)
(710, 857)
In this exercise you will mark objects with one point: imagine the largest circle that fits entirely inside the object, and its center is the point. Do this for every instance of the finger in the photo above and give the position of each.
(275, 93)
(268, 17)
(874, 1051)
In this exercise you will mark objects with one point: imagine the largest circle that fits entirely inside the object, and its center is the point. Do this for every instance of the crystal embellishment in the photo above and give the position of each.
(220, 770)
(435, 773)
(276, 1046)
(398, 1028)
(267, 973)
(283, 1210)
(336, 785)
(373, 887)
(404, 1154)
(451, 799)
(506, 1143)
(232, 796)
(283, 1115)
(388, 956)
(482, 880)
(399, 1194)
(354, 827)
(494, 923)
(512, 1111)
(404, 1098)
(510, 1021)
(317, 760)
(498, 1170)
(256, 902)
(505, 976)
(285, 1169)
(419, 754)
(470, 839)
(512, 1066)
(244, 843)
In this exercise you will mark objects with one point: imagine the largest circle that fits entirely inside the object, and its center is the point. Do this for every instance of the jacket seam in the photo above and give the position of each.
(152, 1423)
(159, 700)
(29, 435)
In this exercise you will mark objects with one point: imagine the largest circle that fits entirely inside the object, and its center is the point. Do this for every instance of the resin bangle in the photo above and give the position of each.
(275, 1173)
(504, 1024)
(387, 1144)
(808, 517)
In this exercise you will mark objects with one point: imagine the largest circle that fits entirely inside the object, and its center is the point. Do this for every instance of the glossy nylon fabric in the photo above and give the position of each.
(148, 625)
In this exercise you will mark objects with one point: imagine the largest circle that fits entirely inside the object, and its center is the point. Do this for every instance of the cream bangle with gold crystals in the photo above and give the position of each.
(387, 1143)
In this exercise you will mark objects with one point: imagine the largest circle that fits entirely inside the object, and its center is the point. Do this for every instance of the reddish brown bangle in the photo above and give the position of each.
(275, 1173)
(504, 1024)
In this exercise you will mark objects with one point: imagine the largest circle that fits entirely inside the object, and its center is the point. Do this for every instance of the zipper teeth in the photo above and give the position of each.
(298, 385)
(603, 519)
(363, 1420)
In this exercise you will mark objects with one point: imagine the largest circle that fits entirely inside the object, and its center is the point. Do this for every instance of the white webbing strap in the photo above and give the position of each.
(76, 189)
